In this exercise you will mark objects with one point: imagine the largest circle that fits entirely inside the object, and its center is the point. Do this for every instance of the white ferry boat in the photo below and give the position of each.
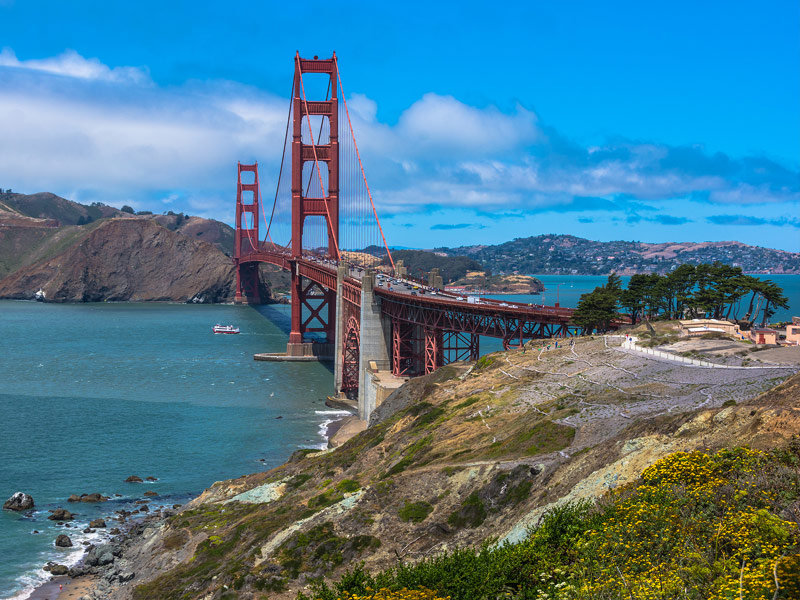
(225, 329)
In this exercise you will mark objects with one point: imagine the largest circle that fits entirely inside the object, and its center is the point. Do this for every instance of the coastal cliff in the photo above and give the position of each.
(480, 452)
(56, 250)
(125, 260)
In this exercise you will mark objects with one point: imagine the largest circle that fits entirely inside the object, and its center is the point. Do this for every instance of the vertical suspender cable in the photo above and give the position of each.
(280, 173)
(355, 145)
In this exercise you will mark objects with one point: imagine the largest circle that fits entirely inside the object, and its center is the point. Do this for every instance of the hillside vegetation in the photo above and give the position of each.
(549, 452)
(420, 262)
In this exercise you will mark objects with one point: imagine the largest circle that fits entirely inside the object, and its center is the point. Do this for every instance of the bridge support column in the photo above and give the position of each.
(296, 332)
(247, 284)
(338, 348)
(434, 355)
(374, 342)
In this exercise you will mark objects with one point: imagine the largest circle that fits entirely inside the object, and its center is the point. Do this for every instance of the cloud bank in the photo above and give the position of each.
(90, 131)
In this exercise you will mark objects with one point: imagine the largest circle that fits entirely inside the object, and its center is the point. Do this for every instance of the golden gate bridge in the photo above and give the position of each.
(350, 302)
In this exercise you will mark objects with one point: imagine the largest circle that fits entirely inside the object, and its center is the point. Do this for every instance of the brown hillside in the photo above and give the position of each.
(127, 260)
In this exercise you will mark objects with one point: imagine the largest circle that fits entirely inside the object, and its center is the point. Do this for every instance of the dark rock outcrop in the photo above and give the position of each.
(87, 498)
(19, 501)
(63, 541)
(97, 523)
(60, 514)
(133, 479)
(56, 569)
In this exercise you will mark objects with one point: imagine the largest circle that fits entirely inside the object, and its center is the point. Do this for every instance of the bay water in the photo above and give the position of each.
(93, 393)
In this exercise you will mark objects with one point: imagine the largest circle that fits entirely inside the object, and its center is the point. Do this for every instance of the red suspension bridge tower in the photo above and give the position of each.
(321, 203)
(246, 236)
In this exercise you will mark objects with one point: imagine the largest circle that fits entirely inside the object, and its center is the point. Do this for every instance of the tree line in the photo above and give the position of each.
(717, 291)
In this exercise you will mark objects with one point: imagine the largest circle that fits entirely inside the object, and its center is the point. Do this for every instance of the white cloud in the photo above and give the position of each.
(74, 125)
(71, 64)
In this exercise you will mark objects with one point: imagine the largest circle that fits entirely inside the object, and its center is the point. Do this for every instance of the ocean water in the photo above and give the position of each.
(93, 393)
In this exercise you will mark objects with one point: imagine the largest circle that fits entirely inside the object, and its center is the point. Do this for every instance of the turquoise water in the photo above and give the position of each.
(93, 393)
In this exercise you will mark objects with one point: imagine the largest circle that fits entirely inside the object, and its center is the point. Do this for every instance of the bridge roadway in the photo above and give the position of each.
(418, 304)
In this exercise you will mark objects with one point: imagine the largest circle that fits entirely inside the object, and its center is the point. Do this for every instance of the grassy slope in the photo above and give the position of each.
(459, 462)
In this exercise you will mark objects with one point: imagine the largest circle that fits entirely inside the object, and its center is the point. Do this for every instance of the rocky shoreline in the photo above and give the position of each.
(105, 569)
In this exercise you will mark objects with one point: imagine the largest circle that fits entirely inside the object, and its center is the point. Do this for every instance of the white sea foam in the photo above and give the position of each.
(331, 416)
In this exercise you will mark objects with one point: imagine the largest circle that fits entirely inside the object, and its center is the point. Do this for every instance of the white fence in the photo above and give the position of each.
(630, 344)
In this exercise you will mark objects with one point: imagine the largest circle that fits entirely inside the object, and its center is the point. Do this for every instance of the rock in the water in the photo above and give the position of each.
(97, 523)
(59, 570)
(88, 530)
(151, 478)
(150, 493)
(93, 497)
(87, 498)
(63, 541)
(133, 479)
(60, 514)
(115, 531)
(19, 501)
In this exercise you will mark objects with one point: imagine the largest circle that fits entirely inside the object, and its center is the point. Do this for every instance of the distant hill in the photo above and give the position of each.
(73, 253)
(570, 255)
(31, 223)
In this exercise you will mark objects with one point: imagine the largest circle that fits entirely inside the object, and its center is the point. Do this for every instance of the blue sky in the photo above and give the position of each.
(478, 122)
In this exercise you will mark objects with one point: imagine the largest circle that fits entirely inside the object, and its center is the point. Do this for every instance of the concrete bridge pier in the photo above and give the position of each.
(375, 344)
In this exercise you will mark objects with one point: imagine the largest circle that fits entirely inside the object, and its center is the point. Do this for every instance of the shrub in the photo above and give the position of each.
(695, 525)
(416, 512)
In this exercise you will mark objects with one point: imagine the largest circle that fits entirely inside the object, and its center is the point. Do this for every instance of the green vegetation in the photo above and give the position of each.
(421, 262)
(412, 454)
(705, 290)
(471, 513)
(416, 512)
(545, 436)
(695, 526)
(484, 362)
(319, 550)
(348, 485)
(468, 402)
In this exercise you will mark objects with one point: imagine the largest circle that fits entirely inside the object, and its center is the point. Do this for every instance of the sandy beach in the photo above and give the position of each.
(64, 588)
(341, 430)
